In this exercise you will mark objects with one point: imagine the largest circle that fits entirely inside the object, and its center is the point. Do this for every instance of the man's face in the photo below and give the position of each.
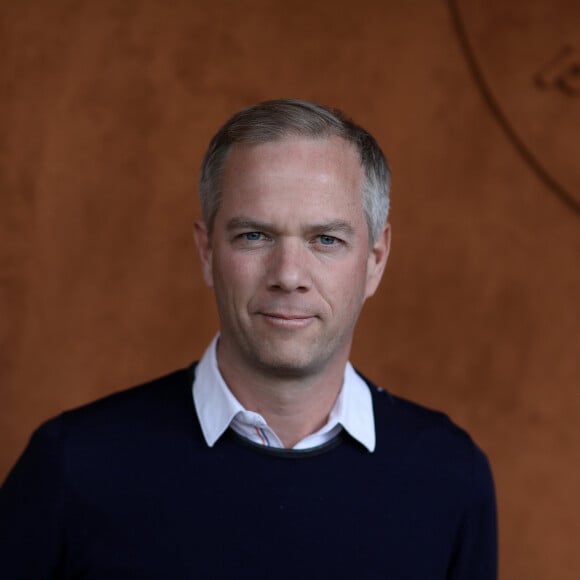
(289, 256)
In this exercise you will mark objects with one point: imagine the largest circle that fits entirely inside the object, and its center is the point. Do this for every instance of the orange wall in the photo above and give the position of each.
(105, 110)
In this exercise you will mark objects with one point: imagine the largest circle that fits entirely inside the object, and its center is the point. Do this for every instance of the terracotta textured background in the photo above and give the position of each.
(105, 110)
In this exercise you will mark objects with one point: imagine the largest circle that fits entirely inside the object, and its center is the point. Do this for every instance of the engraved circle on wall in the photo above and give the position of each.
(525, 55)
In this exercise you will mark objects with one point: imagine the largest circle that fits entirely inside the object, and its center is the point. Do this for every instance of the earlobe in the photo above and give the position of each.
(203, 243)
(378, 257)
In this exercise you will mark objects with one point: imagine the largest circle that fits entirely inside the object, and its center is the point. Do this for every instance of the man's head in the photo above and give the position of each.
(286, 243)
(274, 120)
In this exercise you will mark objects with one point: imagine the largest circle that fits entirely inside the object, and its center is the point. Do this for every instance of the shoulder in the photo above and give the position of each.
(125, 413)
(127, 430)
(441, 473)
(160, 394)
(428, 440)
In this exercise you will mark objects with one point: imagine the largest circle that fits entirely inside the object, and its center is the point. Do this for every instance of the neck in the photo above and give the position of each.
(293, 406)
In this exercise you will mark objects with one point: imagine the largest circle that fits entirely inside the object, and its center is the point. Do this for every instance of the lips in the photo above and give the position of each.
(287, 319)
(287, 316)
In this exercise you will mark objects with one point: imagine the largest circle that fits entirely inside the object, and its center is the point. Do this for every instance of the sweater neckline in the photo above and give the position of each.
(288, 453)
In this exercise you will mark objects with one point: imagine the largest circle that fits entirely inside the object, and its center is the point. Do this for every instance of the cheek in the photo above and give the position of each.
(343, 285)
(235, 275)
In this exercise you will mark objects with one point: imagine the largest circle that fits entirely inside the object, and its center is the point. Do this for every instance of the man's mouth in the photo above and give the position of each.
(288, 320)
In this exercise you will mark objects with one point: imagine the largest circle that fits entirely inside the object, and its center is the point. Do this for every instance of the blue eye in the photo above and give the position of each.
(327, 240)
(252, 236)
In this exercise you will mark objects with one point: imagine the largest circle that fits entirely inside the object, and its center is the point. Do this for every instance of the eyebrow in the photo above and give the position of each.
(243, 223)
(240, 223)
(337, 226)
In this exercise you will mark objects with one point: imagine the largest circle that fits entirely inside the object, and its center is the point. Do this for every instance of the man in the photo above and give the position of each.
(271, 458)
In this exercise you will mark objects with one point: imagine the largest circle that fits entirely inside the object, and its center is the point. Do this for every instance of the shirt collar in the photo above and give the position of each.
(216, 406)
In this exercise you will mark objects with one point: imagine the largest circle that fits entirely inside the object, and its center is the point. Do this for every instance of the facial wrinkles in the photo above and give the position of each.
(317, 293)
(291, 286)
(319, 173)
(290, 241)
(286, 271)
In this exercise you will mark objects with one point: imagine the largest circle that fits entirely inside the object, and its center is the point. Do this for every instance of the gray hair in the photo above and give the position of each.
(273, 120)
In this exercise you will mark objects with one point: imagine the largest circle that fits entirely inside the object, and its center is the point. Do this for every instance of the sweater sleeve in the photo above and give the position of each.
(475, 555)
(31, 502)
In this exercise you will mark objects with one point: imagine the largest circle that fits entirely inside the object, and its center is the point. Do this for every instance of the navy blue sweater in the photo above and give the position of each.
(126, 488)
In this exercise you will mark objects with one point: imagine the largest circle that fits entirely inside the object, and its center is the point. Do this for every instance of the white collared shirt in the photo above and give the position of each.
(217, 409)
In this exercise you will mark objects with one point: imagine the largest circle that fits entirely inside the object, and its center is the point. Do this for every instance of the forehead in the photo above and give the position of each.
(328, 168)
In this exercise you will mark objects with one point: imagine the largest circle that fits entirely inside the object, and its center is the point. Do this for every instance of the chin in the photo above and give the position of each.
(288, 365)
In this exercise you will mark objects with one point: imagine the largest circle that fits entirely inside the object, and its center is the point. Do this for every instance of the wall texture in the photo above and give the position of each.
(105, 110)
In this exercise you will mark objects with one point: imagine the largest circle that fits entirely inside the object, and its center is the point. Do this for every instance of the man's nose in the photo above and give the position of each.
(289, 266)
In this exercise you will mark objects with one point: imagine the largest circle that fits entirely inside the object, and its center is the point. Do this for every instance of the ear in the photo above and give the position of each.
(203, 243)
(377, 260)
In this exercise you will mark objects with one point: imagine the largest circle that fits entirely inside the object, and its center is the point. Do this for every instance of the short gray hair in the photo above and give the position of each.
(273, 120)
